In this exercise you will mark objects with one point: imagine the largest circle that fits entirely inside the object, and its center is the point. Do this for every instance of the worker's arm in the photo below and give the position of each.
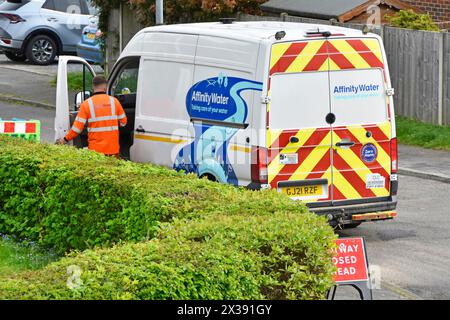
(80, 122)
(121, 116)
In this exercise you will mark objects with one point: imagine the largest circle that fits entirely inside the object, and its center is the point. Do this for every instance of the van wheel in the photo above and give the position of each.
(41, 50)
(16, 57)
(210, 177)
(351, 225)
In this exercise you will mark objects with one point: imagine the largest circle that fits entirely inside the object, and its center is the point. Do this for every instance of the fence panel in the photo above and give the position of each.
(414, 65)
(248, 17)
(446, 81)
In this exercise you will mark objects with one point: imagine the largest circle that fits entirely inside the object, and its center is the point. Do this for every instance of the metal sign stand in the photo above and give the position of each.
(363, 288)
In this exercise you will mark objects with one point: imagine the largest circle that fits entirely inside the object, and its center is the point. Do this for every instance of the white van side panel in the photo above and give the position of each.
(170, 46)
(166, 75)
(259, 133)
(221, 108)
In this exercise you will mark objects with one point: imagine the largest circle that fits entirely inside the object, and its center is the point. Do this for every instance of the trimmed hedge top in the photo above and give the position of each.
(76, 199)
(198, 239)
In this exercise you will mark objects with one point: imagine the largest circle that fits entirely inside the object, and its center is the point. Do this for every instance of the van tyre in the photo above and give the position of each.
(41, 50)
(16, 57)
(352, 225)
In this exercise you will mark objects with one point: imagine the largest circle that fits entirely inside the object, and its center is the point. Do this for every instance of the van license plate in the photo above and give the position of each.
(303, 191)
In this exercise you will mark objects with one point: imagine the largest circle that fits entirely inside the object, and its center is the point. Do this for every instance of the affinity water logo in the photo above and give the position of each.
(361, 91)
(217, 107)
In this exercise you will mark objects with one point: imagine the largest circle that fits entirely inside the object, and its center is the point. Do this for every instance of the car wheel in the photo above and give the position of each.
(17, 57)
(41, 50)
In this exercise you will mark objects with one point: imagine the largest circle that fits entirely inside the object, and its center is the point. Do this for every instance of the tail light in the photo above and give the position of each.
(259, 165)
(394, 155)
(13, 18)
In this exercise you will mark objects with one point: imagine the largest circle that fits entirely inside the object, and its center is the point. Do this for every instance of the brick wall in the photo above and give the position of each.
(438, 9)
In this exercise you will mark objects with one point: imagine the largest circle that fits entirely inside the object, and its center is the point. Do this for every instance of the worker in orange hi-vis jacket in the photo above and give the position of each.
(103, 115)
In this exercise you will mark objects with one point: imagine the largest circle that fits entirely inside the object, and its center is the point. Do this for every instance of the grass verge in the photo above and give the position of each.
(417, 133)
(75, 81)
(17, 257)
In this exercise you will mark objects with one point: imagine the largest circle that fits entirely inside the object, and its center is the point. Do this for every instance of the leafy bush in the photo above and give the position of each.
(76, 199)
(279, 256)
(179, 11)
(410, 20)
(196, 239)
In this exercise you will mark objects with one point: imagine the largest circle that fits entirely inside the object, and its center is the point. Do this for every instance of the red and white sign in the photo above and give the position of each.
(350, 260)
(20, 127)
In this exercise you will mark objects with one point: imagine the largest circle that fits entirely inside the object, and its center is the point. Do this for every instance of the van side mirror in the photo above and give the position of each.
(80, 98)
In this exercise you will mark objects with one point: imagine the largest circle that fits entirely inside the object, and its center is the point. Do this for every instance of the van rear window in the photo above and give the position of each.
(303, 100)
(299, 100)
(358, 97)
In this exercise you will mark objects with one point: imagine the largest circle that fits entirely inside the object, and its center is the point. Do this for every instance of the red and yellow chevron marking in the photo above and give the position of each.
(349, 168)
(343, 168)
(314, 155)
(324, 55)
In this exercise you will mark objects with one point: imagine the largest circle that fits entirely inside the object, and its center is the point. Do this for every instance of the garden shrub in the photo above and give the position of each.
(153, 233)
(280, 256)
(68, 198)
(411, 20)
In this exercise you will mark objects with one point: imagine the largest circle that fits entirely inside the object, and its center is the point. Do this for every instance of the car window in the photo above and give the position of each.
(49, 4)
(68, 5)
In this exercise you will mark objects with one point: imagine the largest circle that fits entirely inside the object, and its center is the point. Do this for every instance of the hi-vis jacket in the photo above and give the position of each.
(103, 115)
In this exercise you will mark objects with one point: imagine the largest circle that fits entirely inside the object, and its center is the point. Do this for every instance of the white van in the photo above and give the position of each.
(303, 109)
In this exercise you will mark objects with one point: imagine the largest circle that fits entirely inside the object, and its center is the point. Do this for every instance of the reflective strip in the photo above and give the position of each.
(75, 129)
(107, 118)
(103, 129)
(121, 117)
(91, 107)
(82, 120)
(113, 106)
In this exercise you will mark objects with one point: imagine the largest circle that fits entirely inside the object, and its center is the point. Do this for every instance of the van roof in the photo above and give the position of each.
(256, 31)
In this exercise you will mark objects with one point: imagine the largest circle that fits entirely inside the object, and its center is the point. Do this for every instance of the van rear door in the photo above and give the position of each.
(329, 124)
(299, 137)
(362, 131)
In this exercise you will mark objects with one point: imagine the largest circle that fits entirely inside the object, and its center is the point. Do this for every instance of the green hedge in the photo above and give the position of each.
(279, 256)
(196, 239)
(76, 199)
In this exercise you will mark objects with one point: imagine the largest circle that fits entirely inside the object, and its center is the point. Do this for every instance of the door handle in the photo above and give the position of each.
(140, 129)
(345, 144)
(294, 139)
